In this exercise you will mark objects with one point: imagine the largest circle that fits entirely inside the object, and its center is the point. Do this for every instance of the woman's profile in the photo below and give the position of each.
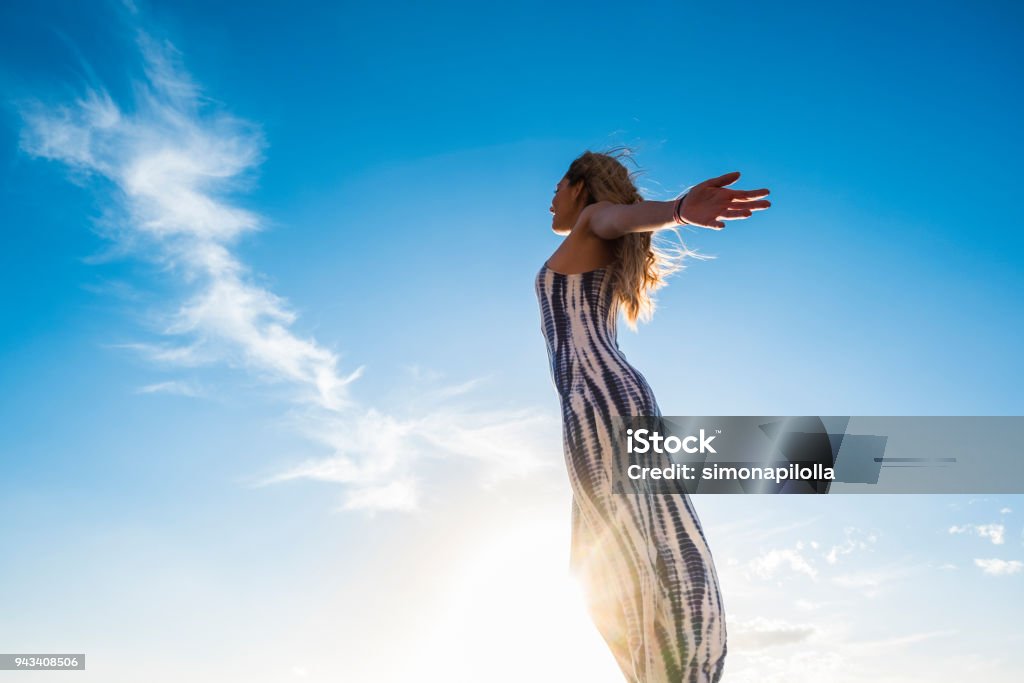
(643, 562)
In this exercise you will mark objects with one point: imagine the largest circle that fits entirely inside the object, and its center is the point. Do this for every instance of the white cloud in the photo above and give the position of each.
(173, 163)
(1005, 511)
(805, 557)
(993, 532)
(997, 567)
(177, 387)
(855, 540)
(800, 665)
(771, 563)
(830, 655)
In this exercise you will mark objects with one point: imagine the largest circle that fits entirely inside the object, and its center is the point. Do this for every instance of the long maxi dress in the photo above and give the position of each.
(643, 561)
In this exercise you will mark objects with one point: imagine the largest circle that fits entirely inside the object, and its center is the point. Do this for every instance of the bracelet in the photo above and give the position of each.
(676, 215)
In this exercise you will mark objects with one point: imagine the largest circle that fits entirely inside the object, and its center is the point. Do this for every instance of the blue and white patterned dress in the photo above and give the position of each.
(643, 561)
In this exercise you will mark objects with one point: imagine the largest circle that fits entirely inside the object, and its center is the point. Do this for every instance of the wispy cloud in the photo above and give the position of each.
(176, 387)
(997, 567)
(993, 532)
(172, 162)
(806, 557)
(371, 446)
(769, 564)
(172, 165)
(820, 562)
(855, 540)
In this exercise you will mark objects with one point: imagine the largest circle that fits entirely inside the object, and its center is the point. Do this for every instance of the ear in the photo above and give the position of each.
(578, 189)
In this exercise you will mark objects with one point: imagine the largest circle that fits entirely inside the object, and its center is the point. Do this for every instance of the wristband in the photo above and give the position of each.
(676, 215)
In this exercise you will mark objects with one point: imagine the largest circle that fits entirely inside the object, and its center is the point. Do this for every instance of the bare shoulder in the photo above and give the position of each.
(582, 250)
(585, 221)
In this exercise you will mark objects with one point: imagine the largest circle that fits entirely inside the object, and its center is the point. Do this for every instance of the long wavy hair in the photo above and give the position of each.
(642, 260)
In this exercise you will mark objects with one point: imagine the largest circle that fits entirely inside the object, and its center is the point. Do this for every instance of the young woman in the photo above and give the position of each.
(643, 561)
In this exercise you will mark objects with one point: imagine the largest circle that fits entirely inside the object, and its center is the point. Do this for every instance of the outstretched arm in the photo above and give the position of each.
(706, 205)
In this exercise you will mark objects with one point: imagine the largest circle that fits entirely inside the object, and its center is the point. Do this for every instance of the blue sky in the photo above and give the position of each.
(274, 379)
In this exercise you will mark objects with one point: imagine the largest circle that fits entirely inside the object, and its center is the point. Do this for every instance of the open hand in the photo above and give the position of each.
(711, 202)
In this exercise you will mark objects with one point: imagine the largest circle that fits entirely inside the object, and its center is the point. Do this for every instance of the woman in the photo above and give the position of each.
(643, 561)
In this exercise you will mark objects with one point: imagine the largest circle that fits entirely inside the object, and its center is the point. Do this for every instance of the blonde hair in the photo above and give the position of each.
(640, 265)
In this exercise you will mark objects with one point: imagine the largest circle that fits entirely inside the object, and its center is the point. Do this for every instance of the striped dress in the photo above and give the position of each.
(643, 561)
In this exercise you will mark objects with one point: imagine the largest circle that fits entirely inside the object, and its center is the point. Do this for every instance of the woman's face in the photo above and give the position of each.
(565, 206)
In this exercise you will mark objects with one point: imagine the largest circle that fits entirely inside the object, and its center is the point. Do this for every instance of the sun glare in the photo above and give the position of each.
(512, 613)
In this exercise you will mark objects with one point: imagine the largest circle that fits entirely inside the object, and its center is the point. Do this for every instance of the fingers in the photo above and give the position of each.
(731, 205)
(722, 180)
(747, 195)
(751, 205)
